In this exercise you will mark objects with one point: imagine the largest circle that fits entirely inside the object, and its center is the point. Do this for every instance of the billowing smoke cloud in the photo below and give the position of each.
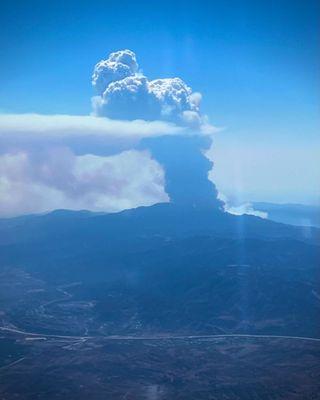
(103, 162)
(77, 162)
(40, 181)
(126, 93)
(241, 209)
(247, 209)
(118, 66)
(186, 169)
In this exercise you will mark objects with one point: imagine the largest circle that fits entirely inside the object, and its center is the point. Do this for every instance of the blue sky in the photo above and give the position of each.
(256, 64)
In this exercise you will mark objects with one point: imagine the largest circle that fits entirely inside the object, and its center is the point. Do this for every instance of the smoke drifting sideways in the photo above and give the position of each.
(125, 93)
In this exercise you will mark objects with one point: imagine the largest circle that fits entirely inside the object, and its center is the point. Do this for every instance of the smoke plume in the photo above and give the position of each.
(125, 93)
(114, 159)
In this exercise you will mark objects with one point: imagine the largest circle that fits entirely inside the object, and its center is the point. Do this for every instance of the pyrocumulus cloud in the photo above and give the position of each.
(124, 92)
(97, 162)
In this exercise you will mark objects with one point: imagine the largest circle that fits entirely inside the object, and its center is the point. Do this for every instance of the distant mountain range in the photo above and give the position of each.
(293, 214)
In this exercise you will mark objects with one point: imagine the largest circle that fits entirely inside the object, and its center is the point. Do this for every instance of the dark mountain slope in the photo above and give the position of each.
(294, 214)
(164, 268)
(158, 220)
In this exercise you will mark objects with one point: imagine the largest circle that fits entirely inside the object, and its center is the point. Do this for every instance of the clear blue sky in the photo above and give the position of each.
(256, 63)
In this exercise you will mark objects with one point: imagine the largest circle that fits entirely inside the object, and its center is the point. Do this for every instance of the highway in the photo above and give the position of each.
(157, 337)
